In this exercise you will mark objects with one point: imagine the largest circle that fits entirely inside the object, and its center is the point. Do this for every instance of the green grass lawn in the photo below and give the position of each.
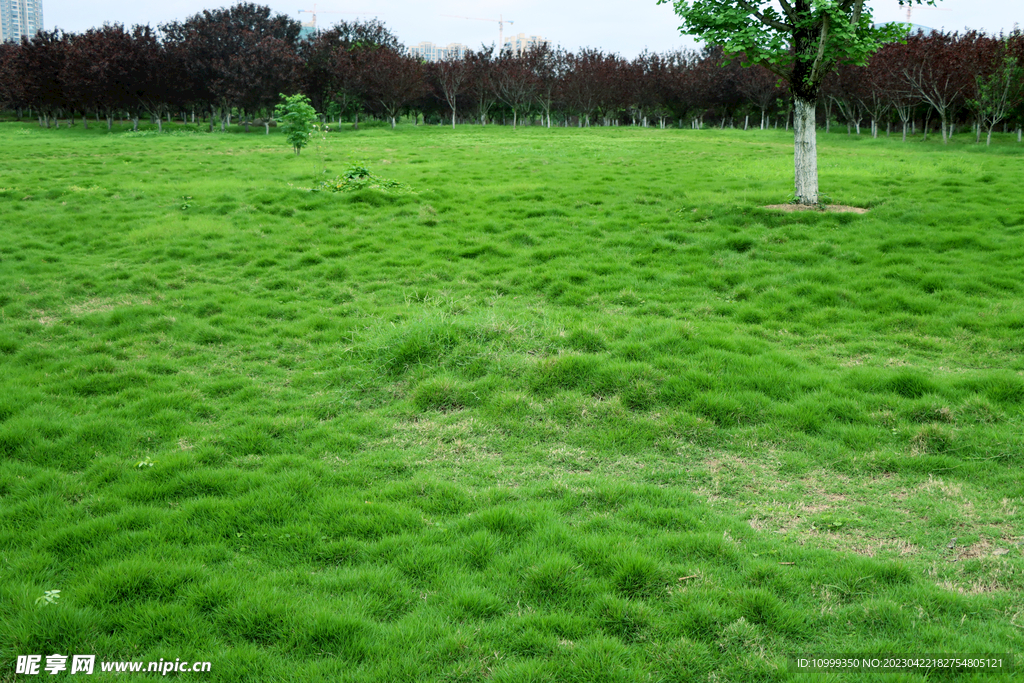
(576, 410)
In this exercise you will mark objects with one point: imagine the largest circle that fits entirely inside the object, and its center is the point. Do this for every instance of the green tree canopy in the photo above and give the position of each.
(298, 117)
(798, 40)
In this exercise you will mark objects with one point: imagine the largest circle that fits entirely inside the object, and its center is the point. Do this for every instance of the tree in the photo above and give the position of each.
(892, 61)
(258, 73)
(801, 43)
(482, 87)
(516, 82)
(940, 72)
(39, 62)
(761, 87)
(844, 87)
(12, 95)
(548, 67)
(149, 84)
(999, 85)
(679, 93)
(452, 77)
(580, 89)
(389, 80)
(327, 66)
(210, 39)
(92, 75)
(298, 117)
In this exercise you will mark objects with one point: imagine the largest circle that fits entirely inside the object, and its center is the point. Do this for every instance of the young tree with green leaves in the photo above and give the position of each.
(999, 87)
(298, 117)
(801, 41)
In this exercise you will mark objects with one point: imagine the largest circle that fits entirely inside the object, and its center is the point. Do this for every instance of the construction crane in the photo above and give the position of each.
(938, 9)
(501, 21)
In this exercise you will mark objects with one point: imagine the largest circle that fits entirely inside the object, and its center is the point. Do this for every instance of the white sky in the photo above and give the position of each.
(612, 26)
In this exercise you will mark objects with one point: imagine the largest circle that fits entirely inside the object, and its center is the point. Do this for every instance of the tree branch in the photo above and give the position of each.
(819, 58)
(777, 25)
(788, 9)
(855, 18)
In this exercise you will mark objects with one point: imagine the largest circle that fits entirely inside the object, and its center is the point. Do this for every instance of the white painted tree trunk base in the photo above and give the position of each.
(805, 152)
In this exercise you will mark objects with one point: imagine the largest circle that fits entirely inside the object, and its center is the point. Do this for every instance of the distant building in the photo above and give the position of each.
(426, 51)
(307, 32)
(429, 52)
(455, 51)
(522, 43)
(20, 18)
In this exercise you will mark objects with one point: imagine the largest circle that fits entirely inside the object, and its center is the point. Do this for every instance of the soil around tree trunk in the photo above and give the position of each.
(829, 208)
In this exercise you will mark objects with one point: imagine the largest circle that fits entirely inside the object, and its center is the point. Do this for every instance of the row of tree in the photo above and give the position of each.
(239, 60)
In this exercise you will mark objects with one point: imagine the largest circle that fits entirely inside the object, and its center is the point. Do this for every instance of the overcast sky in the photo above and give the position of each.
(626, 28)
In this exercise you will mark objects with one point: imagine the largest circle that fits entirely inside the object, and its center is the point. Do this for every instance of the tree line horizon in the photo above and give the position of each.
(239, 61)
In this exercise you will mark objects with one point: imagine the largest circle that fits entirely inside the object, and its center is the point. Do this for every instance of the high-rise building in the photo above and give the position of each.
(520, 43)
(307, 32)
(429, 52)
(455, 51)
(20, 18)
(426, 51)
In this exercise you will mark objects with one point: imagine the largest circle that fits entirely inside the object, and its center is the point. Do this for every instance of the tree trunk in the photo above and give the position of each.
(135, 123)
(355, 121)
(85, 122)
(266, 124)
(393, 124)
(989, 142)
(904, 131)
(453, 118)
(805, 152)
(159, 125)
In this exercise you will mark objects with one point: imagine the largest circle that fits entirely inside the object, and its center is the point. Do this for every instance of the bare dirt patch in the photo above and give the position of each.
(829, 208)
(98, 305)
